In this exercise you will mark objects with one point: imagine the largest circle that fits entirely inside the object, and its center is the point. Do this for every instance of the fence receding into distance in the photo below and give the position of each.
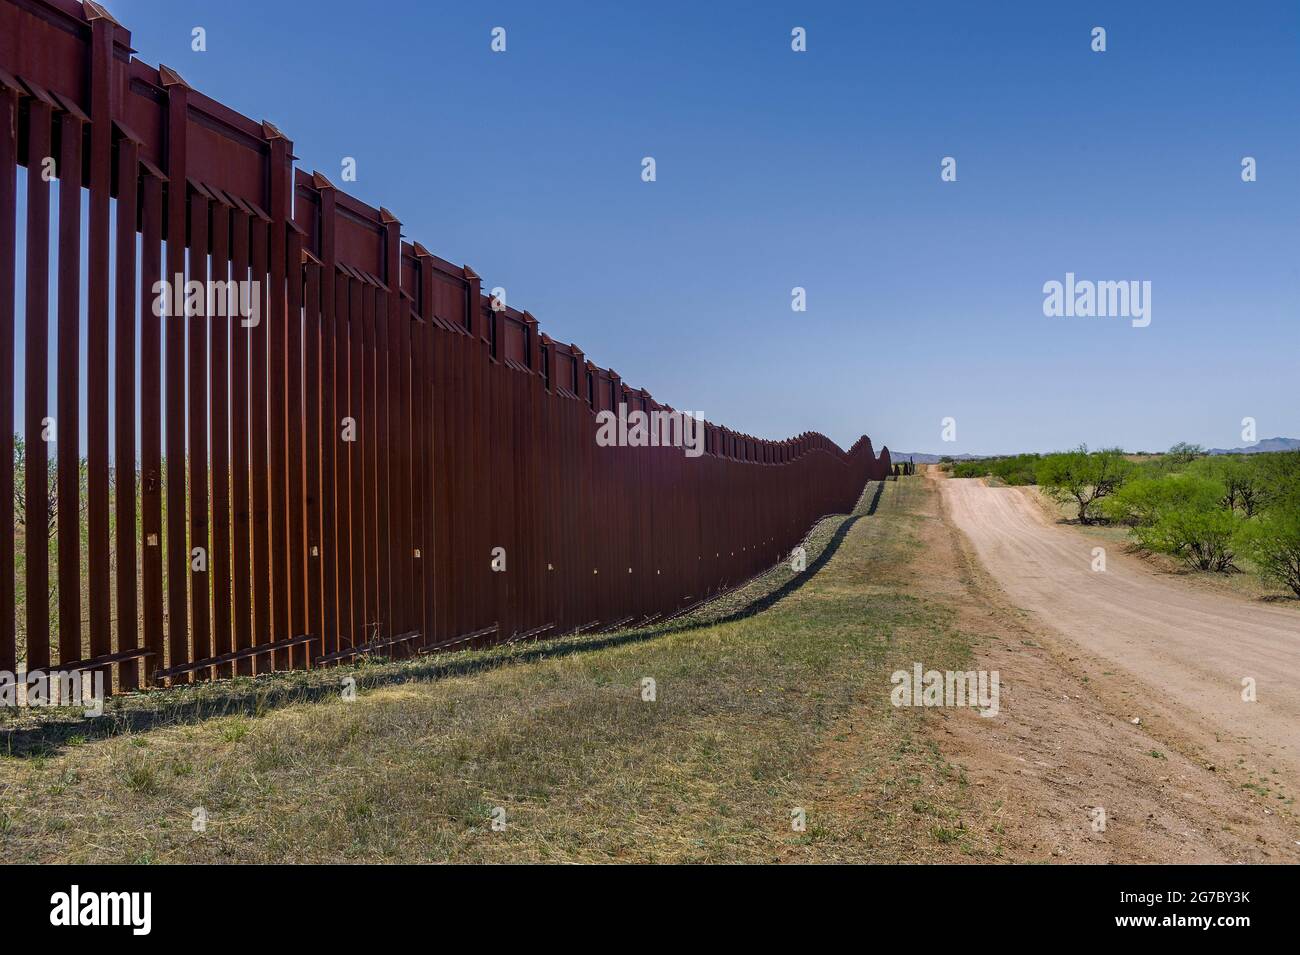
(219, 522)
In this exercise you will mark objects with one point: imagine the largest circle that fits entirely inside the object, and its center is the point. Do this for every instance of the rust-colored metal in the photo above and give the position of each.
(69, 400)
(358, 295)
(226, 659)
(150, 398)
(473, 429)
(124, 452)
(312, 449)
(343, 458)
(294, 422)
(329, 428)
(386, 643)
(35, 526)
(241, 513)
(8, 289)
(178, 559)
(219, 328)
(259, 477)
(200, 547)
(99, 107)
(366, 489)
(278, 201)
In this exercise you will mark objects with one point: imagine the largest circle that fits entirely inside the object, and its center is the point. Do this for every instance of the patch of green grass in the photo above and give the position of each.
(235, 730)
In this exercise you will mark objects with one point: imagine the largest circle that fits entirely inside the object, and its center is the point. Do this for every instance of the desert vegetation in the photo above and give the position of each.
(1016, 470)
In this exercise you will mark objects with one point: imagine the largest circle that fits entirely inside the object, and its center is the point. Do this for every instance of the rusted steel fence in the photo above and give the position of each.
(365, 456)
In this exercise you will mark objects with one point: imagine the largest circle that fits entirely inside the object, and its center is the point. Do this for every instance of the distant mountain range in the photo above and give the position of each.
(920, 457)
(1259, 447)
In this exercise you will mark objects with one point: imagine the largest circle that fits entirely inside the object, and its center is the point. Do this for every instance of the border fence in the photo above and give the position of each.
(223, 519)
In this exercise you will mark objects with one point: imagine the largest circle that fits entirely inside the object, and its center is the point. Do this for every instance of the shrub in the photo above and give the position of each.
(1279, 480)
(1204, 537)
(1183, 515)
(1019, 470)
(1142, 501)
(1014, 469)
(1273, 542)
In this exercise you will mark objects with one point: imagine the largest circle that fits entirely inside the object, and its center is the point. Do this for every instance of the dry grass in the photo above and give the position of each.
(770, 710)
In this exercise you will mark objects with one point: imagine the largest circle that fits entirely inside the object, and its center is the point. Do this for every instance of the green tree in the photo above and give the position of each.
(1241, 480)
(1083, 477)
(1182, 454)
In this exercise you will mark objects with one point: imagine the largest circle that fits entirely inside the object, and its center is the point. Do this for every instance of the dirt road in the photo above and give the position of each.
(1062, 773)
(1181, 653)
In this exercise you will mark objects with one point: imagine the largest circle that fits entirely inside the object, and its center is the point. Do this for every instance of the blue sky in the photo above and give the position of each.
(821, 169)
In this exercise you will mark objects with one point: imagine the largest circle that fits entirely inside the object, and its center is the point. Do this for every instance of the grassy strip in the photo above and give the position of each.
(754, 716)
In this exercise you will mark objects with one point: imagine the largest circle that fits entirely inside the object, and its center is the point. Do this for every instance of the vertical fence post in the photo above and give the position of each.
(358, 294)
(178, 644)
(102, 28)
(279, 199)
(199, 556)
(71, 124)
(124, 458)
(312, 399)
(220, 322)
(258, 456)
(475, 453)
(151, 334)
(8, 291)
(343, 456)
(296, 462)
(329, 433)
(35, 523)
(425, 473)
(362, 295)
(395, 456)
(241, 534)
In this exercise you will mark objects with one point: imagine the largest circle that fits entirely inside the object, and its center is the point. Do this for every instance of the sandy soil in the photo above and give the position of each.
(1202, 776)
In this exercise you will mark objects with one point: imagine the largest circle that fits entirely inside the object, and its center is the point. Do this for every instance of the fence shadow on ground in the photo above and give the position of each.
(254, 696)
